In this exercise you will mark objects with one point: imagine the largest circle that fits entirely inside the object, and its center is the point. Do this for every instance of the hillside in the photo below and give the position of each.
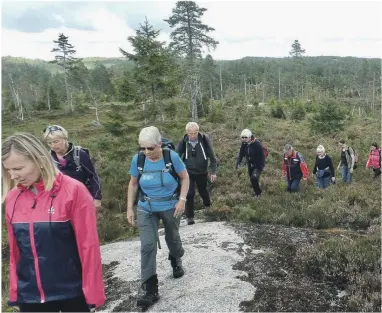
(346, 258)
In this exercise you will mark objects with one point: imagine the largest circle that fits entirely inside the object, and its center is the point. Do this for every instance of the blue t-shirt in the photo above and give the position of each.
(151, 183)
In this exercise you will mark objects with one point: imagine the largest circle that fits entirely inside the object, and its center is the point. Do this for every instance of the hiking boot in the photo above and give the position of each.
(190, 221)
(148, 293)
(177, 268)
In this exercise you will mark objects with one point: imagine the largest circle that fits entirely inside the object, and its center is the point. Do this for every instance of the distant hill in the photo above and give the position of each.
(89, 62)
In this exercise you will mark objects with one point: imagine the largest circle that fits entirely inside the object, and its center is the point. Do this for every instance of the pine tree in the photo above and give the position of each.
(154, 66)
(188, 38)
(190, 34)
(65, 58)
(299, 67)
(297, 51)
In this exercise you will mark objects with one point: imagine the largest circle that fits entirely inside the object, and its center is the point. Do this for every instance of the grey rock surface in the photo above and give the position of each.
(210, 283)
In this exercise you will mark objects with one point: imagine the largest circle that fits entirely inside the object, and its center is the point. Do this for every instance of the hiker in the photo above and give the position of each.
(159, 198)
(55, 259)
(347, 162)
(323, 168)
(73, 161)
(252, 150)
(195, 149)
(374, 159)
(294, 168)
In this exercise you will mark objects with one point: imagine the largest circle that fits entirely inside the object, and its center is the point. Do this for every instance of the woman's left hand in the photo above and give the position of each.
(179, 209)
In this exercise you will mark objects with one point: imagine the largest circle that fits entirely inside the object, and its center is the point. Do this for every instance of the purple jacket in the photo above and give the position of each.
(86, 174)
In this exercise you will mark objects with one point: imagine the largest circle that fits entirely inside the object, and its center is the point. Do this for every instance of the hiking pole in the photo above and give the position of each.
(154, 226)
(156, 233)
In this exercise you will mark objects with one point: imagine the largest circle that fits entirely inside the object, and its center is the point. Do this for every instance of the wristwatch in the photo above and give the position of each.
(184, 199)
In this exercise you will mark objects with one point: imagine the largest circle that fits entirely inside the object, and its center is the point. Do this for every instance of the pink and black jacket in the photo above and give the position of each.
(374, 159)
(54, 246)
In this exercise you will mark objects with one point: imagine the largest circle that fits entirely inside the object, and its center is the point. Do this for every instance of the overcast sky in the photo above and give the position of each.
(247, 28)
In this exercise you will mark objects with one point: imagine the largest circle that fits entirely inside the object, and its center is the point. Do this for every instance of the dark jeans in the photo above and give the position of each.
(293, 185)
(254, 177)
(69, 305)
(201, 182)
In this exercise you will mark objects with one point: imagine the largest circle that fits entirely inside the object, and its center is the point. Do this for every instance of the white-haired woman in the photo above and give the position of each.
(55, 259)
(323, 168)
(156, 173)
(73, 161)
(252, 150)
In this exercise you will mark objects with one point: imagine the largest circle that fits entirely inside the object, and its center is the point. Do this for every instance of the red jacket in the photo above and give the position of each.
(374, 159)
(54, 247)
(294, 167)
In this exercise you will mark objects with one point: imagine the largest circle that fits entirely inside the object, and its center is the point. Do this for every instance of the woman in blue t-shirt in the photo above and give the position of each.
(159, 198)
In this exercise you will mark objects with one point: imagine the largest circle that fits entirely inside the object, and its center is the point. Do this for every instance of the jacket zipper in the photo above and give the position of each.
(35, 258)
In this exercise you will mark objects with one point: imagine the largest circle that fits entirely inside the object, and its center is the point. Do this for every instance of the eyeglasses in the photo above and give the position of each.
(243, 137)
(147, 148)
(51, 129)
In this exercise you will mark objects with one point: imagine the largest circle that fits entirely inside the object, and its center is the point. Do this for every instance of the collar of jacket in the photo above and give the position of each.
(294, 155)
(40, 187)
(70, 149)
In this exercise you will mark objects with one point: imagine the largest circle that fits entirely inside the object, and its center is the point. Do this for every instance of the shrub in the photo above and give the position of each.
(329, 118)
(298, 112)
(278, 112)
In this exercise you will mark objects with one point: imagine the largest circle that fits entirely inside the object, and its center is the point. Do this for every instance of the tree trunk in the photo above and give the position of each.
(48, 98)
(95, 102)
(221, 85)
(279, 86)
(68, 96)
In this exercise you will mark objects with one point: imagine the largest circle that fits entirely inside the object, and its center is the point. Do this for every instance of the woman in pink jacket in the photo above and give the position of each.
(374, 159)
(55, 260)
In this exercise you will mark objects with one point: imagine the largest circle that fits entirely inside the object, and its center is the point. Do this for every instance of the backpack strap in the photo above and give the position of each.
(76, 156)
(140, 165)
(168, 163)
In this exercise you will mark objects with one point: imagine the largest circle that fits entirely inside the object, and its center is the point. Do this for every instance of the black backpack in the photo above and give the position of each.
(166, 143)
(169, 167)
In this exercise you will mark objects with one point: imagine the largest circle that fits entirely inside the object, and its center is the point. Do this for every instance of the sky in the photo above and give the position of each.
(243, 28)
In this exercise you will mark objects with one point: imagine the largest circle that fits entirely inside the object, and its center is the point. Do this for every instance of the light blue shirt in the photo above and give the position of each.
(150, 183)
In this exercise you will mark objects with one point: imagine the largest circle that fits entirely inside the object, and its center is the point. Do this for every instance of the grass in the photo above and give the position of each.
(351, 208)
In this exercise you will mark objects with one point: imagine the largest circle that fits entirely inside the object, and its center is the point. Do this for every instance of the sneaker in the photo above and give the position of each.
(190, 221)
(206, 209)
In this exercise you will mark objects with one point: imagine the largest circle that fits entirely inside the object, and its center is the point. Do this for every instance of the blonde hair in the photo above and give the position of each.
(60, 132)
(27, 145)
(192, 125)
(320, 148)
(150, 135)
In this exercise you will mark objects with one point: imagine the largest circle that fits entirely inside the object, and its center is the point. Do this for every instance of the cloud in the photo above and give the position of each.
(242, 28)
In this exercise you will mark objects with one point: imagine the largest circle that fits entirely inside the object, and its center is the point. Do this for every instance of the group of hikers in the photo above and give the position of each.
(52, 198)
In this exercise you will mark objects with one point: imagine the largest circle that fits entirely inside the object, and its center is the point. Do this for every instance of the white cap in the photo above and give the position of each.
(246, 133)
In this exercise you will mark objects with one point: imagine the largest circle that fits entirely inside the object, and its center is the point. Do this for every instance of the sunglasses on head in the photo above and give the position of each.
(147, 148)
(243, 137)
(51, 129)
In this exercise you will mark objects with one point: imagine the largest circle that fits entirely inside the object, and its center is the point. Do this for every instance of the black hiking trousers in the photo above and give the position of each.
(69, 305)
(254, 177)
(201, 182)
